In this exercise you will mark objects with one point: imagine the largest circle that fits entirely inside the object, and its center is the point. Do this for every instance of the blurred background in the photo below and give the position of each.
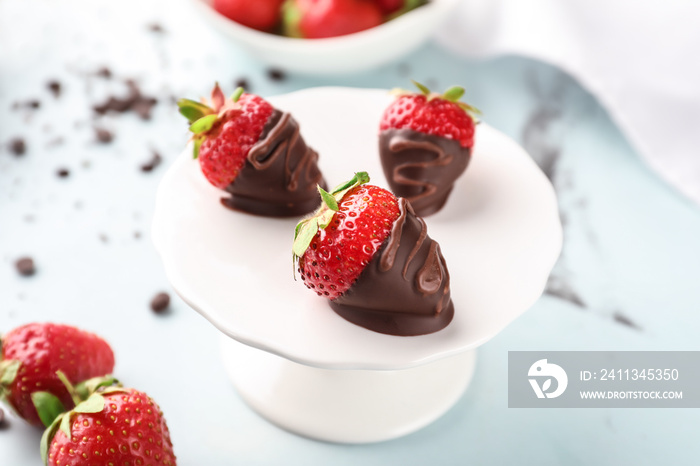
(603, 97)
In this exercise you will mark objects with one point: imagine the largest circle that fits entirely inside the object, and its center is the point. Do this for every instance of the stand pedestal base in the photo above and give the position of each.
(346, 406)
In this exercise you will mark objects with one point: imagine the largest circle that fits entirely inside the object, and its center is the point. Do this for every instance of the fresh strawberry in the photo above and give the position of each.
(262, 15)
(335, 245)
(390, 6)
(225, 131)
(114, 426)
(30, 357)
(431, 113)
(316, 19)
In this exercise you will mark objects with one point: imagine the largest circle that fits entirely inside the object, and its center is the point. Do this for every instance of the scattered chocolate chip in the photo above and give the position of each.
(103, 136)
(33, 104)
(160, 302)
(62, 172)
(242, 82)
(25, 266)
(17, 146)
(156, 27)
(134, 101)
(55, 88)
(143, 106)
(104, 238)
(276, 74)
(149, 166)
(104, 72)
(137, 235)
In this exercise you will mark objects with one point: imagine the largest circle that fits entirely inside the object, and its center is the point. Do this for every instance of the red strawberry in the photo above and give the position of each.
(335, 245)
(316, 19)
(117, 426)
(225, 132)
(32, 354)
(390, 6)
(431, 113)
(262, 15)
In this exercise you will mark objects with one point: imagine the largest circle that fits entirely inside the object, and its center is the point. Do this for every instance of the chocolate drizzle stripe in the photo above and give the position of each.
(416, 247)
(441, 159)
(388, 256)
(280, 174)
(429, 277)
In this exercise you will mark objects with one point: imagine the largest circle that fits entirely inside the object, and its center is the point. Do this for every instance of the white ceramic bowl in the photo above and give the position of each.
(345, 54)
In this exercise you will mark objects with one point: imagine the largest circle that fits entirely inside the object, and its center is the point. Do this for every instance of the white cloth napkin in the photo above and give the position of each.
(641, 59)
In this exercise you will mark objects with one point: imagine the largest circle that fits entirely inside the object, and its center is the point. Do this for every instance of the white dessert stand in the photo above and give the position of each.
(290, 356)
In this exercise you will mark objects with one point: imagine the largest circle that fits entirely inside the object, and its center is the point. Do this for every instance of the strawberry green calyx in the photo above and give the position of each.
(95, 403)
(8, 373)
(202, 116)
(453, 94)
(307, 228)
(291, 17)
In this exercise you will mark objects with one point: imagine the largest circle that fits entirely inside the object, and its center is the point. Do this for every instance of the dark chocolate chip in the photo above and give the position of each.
(149, 166)
(156, 27)
(103, 136)
(25, 266)
(104, 238)
(33, 104)
(17, 146)
(55, 88)
(137, 235)
(62, 172)
(104, 72)
(143, 105)
(242, 82)
(276, 74)
(160, 302)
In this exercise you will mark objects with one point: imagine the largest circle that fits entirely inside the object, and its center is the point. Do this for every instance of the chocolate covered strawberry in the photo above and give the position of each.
(114, 426)
(255, 153)
(262, 15)
(318, 19)
(425, 144)
(367, 252)
(30, 357)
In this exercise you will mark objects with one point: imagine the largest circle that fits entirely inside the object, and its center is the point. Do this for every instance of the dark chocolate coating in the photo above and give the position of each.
(422, 167)
(280, 173)
(405, 288)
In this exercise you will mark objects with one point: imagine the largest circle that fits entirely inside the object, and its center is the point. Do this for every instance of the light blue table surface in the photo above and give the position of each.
(631, 242)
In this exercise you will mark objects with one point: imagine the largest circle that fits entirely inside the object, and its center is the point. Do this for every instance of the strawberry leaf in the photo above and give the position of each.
(204, 124)
(305, 234)
(453, 94)
(8, 371)
(192, 110)
(48, 435)
(65, 424)
(88, 387)
(424, 90)
(237, 94)
(197, 144)
(94, 404)
(217, 97)
(69, 386)
(48, 407)
(328, 199)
